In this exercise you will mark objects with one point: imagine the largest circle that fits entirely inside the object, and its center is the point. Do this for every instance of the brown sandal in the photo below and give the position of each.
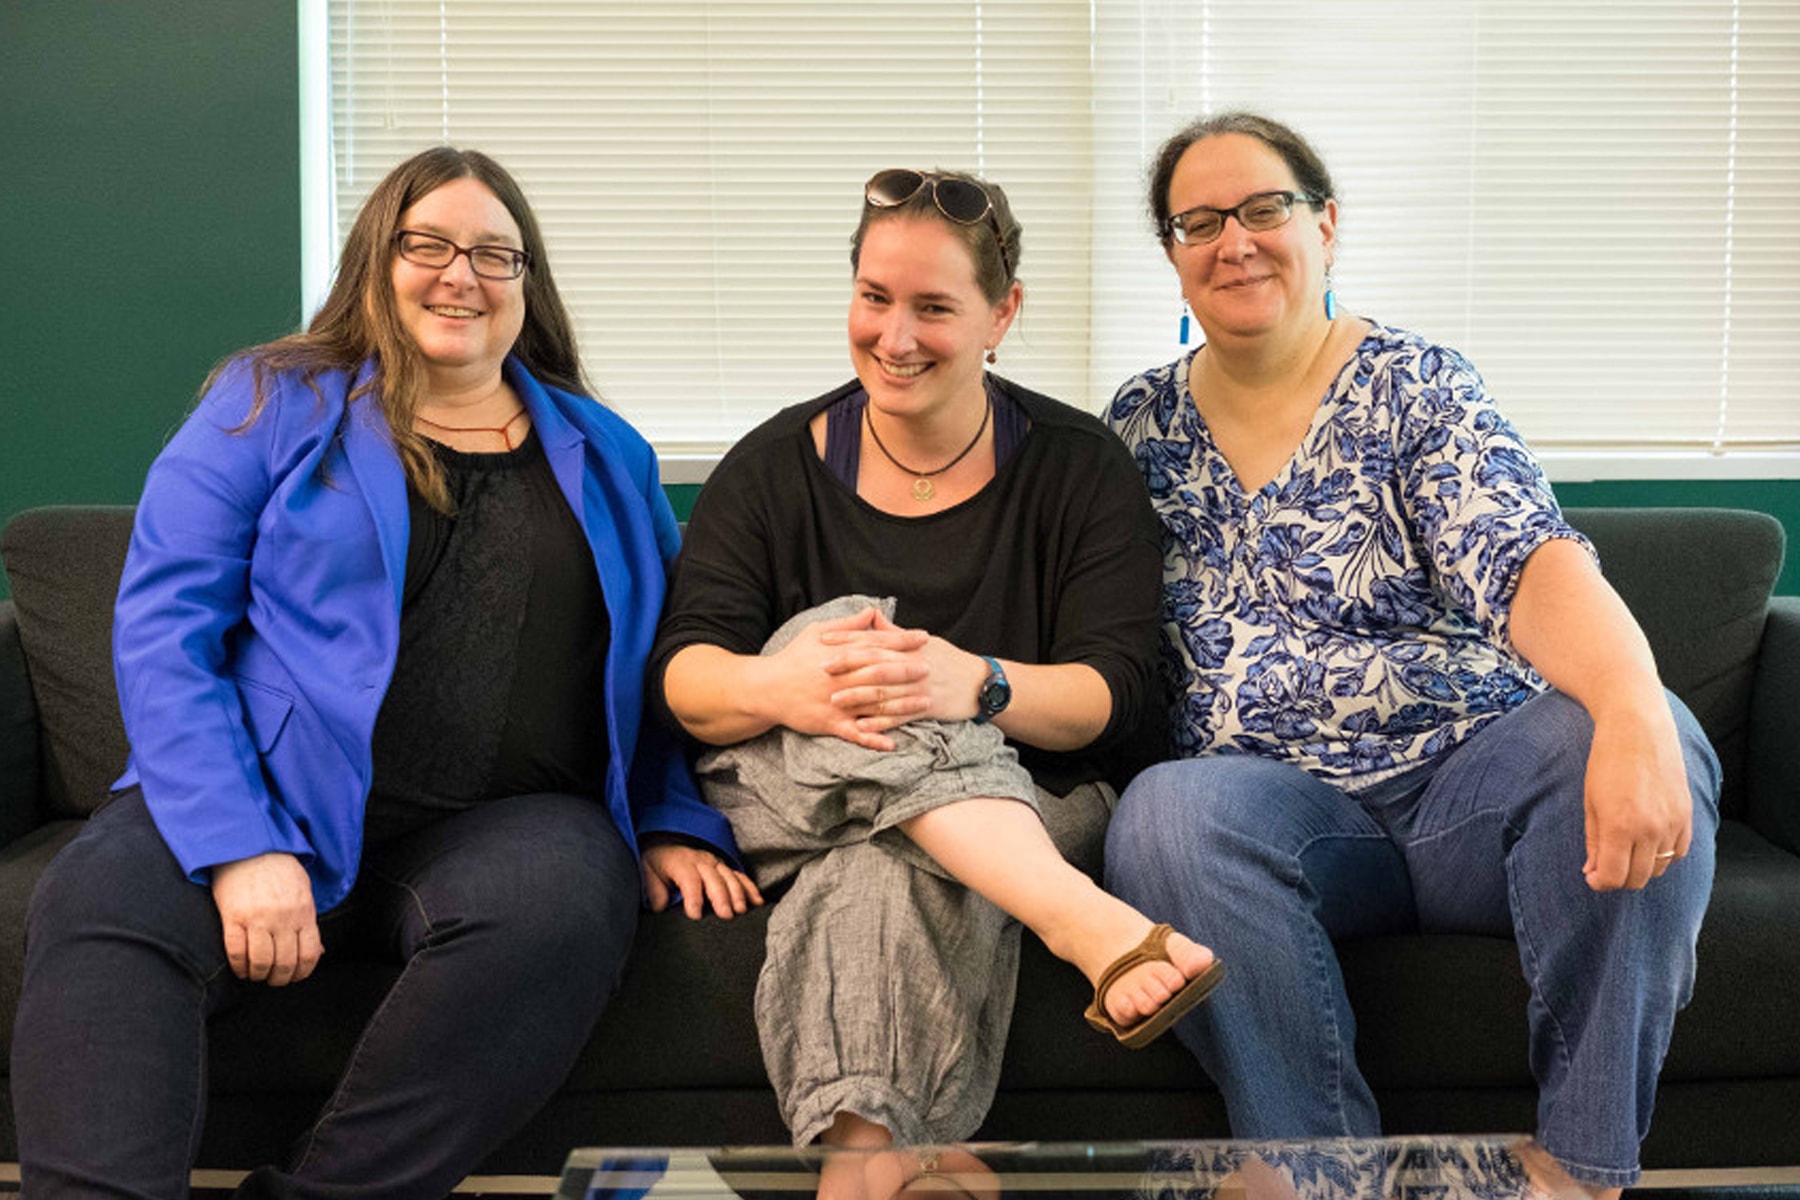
(1154, 948)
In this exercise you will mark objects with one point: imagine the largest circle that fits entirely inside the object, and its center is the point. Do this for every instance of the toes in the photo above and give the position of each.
(1148, 987)
(1189, 956)
(1144, 990)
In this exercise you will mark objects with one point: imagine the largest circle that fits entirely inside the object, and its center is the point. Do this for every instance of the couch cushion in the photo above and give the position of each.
(21, 862)
(19, 791)
(1698, 580)
(683, 1016)
(1741, 1023)
(64, 565)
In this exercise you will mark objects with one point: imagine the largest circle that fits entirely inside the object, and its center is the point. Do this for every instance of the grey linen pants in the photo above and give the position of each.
(888, 987)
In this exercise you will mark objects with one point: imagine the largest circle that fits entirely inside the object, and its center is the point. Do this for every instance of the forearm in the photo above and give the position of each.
(717, 696)
(1062, 706)
(1569, 624)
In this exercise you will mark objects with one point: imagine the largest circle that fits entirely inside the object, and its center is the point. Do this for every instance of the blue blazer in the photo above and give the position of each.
(259, 617)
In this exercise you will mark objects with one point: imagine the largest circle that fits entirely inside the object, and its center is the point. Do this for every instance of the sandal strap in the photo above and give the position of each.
(1152, 949)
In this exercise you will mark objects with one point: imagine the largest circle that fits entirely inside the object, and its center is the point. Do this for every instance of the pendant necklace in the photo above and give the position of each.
(499, 429)
(922, 491)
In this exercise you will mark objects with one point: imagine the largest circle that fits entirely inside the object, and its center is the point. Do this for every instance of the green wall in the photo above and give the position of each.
(150, 191)
(149, 169)
(1779, 497)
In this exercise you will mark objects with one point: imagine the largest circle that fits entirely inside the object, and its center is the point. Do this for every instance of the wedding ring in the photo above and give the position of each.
(1666, 854)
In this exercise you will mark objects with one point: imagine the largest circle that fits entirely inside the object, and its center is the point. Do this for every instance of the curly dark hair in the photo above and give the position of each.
(1301, 159)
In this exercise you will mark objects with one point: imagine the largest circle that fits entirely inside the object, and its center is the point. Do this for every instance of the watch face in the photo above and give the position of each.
(995, 694)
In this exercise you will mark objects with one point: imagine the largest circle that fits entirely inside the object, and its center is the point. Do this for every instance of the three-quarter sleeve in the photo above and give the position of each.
(1476, 497)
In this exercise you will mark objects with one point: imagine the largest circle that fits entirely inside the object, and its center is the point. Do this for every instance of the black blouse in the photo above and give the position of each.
(499, 687)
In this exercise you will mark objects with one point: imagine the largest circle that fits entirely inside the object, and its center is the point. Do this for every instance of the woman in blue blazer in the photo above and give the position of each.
(380, 643)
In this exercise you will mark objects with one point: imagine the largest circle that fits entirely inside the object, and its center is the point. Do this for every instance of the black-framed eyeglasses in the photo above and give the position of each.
(1263, 211)
(489, 262)
(960, 200)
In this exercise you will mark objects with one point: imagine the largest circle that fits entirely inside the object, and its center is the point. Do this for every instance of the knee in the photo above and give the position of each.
(1202, 797)
(569, 918)
(1557, 734)
(1155, 798)
(1176, 814)
(106, 888)
(1703, 771)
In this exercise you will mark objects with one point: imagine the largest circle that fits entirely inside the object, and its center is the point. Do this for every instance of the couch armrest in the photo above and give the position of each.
(1773, 807)
(19, 776)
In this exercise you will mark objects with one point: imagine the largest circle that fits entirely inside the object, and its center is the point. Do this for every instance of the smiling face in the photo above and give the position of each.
(464, 325)
(1245, 285)
(919, 323)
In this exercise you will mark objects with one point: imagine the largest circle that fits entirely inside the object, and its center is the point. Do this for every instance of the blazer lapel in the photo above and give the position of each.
(584, 472)
(369, 449)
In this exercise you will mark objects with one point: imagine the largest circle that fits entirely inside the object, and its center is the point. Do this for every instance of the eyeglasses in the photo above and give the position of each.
(1263, 211)
(960, 200)
(489, 262)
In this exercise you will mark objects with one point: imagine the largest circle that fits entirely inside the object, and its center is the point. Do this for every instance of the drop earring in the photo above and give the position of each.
(992, 357)
(1330, 297)
(1186, 323)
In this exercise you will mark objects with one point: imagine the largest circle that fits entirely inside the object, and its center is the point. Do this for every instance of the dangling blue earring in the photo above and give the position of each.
(1185, 318)
(1330, 298)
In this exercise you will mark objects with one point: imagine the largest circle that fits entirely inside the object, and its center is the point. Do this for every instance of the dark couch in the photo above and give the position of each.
(675, 1060)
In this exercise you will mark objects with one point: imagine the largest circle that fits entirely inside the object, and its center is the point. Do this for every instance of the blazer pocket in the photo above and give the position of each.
(266, 712)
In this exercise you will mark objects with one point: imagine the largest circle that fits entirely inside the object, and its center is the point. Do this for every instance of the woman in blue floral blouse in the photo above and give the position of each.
(1404, 697)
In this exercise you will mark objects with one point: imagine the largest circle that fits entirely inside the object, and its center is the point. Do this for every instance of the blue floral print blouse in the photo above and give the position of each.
(1351, 617)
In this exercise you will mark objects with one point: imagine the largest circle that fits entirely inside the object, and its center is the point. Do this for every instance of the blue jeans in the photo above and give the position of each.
(512, 921)
(1269, 865)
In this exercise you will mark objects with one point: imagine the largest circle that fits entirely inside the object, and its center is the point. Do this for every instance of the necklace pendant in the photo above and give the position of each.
(922, 490)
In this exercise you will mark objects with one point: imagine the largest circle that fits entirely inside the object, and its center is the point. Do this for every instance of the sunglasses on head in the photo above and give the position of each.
(960, 200)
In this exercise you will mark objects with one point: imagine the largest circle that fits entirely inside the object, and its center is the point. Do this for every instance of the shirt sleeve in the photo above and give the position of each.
(1477, 500)
(721, 592)
(1110, 594)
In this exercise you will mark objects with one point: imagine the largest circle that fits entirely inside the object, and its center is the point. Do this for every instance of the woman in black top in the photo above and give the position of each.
(1009, 569)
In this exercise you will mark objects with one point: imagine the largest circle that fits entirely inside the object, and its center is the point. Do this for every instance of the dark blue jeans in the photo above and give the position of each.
(512, 921)
(1268, 865)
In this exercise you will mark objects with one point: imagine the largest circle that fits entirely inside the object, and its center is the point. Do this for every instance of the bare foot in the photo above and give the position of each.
(841, 1175)
(1112, 930)
(1140, 992)
(1550, 1182)
(849, 1145)
(875, 1172)
(1256, 1179)
(932, 1173)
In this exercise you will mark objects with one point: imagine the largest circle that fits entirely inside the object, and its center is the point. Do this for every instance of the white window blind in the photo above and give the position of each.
(1593, 201)
(698, 167)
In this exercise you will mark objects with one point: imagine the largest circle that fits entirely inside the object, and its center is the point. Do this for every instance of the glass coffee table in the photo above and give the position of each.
(1447, 1168)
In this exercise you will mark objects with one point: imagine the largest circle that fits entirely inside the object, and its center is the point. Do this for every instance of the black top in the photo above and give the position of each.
(499, 687)
(1056, 560)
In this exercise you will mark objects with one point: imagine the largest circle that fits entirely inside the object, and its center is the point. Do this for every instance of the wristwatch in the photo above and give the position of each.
(995, 693)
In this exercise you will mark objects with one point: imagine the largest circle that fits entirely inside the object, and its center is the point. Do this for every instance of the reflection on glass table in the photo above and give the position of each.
(1452, 1168)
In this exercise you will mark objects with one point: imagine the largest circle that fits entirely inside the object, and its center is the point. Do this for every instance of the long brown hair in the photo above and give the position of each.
(359, 322)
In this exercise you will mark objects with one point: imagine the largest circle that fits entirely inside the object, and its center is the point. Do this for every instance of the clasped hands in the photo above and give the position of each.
(859, 676)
